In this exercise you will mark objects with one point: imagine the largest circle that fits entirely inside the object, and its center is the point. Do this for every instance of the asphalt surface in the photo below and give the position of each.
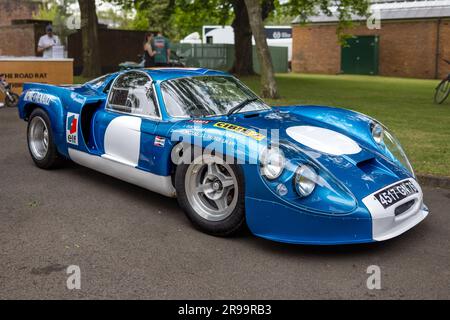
(133, 244)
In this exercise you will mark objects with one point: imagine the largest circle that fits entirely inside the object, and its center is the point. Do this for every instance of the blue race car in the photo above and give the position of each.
(297, 174)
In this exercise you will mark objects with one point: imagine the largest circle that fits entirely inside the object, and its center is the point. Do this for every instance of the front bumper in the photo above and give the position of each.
(370, 222)
(278, 222)
(386, 224)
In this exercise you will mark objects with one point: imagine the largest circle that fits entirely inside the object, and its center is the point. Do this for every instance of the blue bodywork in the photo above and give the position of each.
(334, 214)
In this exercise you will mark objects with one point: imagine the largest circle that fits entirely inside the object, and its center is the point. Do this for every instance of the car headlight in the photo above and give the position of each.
(377, 133)
(390, 145)
(395, 151)
(272, 163)
(305, 180)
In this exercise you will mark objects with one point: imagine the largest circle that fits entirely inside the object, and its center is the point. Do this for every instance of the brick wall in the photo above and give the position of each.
(444, 48)
(16, 9)
(406, 48)
(20, 40)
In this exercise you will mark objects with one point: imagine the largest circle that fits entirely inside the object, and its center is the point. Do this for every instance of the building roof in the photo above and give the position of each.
(395, 10)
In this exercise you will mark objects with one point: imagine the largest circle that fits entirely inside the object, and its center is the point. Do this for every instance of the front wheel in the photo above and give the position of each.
(442, 91)
(12, 100)
(212, 194)
(40, 141)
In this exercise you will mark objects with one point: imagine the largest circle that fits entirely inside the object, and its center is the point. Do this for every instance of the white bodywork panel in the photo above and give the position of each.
(159, 184)
(123, 140)
(385, 224)
(324, 140)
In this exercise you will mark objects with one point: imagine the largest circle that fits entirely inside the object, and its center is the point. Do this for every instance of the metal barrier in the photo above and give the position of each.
(221, 56)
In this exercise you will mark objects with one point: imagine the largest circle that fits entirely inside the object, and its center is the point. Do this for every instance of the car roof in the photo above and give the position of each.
(162, 74)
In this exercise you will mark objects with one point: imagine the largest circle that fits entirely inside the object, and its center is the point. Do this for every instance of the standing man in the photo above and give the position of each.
(162, 47)
(47, 42)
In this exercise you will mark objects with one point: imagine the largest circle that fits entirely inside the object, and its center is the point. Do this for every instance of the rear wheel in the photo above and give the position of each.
(442, 91)
(40, 141)
(211, 193)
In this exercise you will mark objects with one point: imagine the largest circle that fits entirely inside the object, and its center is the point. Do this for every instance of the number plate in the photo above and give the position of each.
(395, 193)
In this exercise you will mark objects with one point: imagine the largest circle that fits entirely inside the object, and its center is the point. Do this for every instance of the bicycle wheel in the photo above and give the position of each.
(13, 101)
(442, 91)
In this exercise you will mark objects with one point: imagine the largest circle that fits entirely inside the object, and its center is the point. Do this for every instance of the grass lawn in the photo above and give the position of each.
(403, 105)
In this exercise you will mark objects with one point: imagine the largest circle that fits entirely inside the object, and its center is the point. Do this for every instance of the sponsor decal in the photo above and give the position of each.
(160, 141)
(199, 121)
(72, 128)
(38, 97)
(245, 131)
(77, 98)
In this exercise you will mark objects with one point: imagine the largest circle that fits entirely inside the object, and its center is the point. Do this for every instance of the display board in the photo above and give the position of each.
(23, 70)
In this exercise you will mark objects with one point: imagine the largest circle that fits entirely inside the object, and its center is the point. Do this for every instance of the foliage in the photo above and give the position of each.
(176, 18)
(342, 9)
(58, 12)
(117, 19)
(191, 16)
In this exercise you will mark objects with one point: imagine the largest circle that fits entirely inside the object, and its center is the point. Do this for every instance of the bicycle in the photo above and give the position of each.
(11, 98)
(443, 89)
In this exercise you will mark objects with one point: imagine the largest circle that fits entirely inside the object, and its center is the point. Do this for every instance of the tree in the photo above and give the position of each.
(268, 83)
(243, 58)
(243, 47)
(343, 9)
(178, 18)
(151, 14)
(89, 34)
(191, 15)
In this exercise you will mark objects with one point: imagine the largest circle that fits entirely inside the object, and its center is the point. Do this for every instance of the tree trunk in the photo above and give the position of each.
(89, 33)
(243, 52)
(268, 84)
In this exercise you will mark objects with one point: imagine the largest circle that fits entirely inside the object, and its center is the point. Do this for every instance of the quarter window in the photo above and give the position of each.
(133, 93)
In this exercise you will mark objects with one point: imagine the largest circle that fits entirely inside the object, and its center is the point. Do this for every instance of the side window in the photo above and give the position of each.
(97, 83)
(133, 93)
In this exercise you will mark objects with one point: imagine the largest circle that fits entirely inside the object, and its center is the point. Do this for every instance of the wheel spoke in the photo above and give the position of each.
(204, 187)
(221, 203)
(212, 169)
(228, 183)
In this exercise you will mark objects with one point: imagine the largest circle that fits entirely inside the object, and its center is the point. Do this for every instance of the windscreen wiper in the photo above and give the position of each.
(241, 106)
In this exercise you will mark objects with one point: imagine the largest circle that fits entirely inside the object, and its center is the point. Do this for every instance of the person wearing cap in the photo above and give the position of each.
(47, 42)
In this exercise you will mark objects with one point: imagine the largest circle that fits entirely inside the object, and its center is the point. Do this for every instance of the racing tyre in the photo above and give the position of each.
(211, 193)
(40, 141)
(442, 91)
(12, 101)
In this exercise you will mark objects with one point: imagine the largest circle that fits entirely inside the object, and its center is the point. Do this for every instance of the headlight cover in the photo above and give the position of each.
(328, 196)
(272, 163)
(391, 147)
(377, 132)
(305, 180)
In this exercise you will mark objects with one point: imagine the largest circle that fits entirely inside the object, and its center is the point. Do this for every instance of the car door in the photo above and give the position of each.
(130, 117)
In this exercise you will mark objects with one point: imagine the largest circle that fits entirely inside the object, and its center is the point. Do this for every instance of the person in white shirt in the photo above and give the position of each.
(47, 42)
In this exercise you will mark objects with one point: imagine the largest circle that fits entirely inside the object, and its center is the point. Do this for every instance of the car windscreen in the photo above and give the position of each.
(207, 96)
